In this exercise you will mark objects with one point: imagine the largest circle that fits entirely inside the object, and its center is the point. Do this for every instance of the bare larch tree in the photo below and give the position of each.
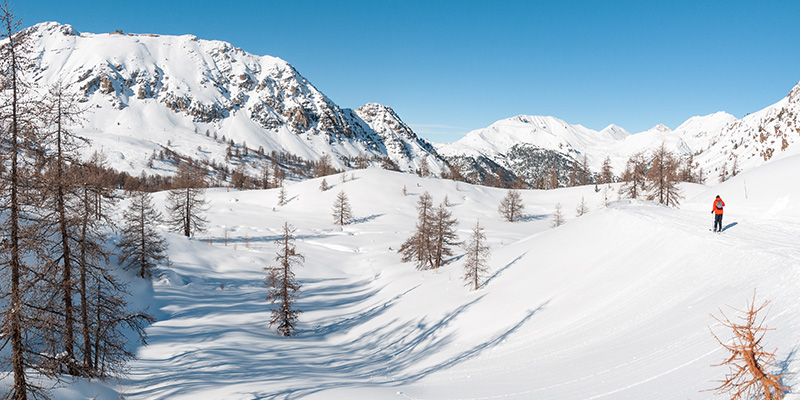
(749, 365)
(662, 177)
(606, 172)
(635, 176)
(18, 127)
(511, 206)
(141, 246)
(342, 212)
(61, 207)
(582, 208)
(477, 254)
(558, 216)
(283, 287)
(444, 235)
(418, 248)
(186, 203)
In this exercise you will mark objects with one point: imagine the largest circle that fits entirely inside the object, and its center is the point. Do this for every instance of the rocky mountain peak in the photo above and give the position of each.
(150, 88)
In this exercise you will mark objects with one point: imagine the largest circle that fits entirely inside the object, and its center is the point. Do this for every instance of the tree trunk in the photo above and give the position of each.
(66, 281)
(87, 343)
(17, 350)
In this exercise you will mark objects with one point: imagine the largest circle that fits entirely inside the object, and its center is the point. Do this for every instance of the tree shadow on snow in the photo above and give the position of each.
(367, 219)
(218, 240)
(501, 270)
(221, 340)
(783, 366)
(530, 217)
(392, 355)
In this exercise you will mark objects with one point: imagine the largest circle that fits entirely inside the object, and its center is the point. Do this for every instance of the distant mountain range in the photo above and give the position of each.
(199, 99)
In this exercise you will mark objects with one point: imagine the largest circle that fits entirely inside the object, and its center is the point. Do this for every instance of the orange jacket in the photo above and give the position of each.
(714, 206)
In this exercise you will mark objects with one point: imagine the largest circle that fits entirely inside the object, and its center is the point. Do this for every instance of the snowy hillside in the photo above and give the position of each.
(615, 304)
(522, 143)
(147, 92)
(716, 141)
(756, 139)
(201, 99)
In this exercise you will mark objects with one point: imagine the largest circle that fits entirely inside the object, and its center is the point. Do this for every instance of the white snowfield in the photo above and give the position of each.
(616, 304)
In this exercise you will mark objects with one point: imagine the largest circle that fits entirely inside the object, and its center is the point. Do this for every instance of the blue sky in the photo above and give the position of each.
(448, 67)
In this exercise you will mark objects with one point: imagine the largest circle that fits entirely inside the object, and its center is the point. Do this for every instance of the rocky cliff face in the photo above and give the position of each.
(400, 143)
(153, 88)
(760, 137)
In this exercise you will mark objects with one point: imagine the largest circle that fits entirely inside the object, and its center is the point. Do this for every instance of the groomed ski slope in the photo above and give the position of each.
(615, 304)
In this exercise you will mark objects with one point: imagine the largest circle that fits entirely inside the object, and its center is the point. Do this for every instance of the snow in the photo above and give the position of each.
(574, 141)
(191, 86)
(615, 304)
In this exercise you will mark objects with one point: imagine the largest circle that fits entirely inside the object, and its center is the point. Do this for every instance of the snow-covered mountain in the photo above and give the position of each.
(527, 145)
(204, 99)
(763, 136)
(148, 92)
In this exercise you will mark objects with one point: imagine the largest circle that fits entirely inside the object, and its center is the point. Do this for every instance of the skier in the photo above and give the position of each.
(717, 211)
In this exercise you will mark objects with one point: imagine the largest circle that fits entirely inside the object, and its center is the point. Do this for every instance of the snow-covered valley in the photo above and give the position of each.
(614, 304)
(619, 303)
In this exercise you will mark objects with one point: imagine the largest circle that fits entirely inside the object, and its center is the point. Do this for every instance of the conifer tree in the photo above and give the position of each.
(583, 208)
(22, 325)
(558, 216)
(342, 213)
(283, 287)
(323, 186)
(324, 166)
(662, 178)
(103, 307)
(687, 171)
(750, 365)
(60, 197)
(104, 314)
(511, 206)
(585, 175)
(282, 196)
(635, 176)
(444, 235)
(186, 202)
(572, 178)
(735, 166)
(723, 172)
(265, 182)
(141, 246)
(477, 255)
(419, 247)
(424, 169)
(551, 178)
(606, 172)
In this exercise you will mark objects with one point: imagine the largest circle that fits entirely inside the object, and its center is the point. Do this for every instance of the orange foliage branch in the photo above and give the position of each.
(748, 362)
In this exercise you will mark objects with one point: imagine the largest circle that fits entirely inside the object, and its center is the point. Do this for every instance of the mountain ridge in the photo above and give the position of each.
(148, 92)
(139, 86)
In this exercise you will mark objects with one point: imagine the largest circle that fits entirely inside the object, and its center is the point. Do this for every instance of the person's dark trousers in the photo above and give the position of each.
(717, 222)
